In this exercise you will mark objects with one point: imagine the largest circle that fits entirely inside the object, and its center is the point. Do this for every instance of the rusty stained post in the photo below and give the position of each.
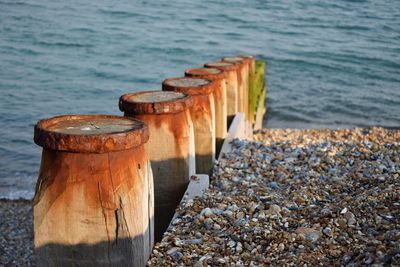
(93, 203)
(243, 82)
(170, 148)
(232, 93)
(220, 103)
(203, 117)
(252, 95)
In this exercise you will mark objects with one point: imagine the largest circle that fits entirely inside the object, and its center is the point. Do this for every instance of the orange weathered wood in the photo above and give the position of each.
(243, 82)
(232, 91)
(170, 147)
(220, 101)
(202, 113)
(94, 205)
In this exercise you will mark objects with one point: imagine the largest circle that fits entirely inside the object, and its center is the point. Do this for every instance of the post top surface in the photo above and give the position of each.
(203, 71)
(189, 85)
(219, 64)
(248, 56)
(155, 97)
(233, 59)
(154, 102)
(90, 133)
(187, 82)
(93, 125)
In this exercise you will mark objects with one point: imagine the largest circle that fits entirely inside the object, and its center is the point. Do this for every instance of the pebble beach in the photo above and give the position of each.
(290, 197)
(295, 198)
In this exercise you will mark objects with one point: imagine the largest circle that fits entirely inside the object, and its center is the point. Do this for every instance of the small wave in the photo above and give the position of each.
(126, 14)
(18, 50)
(64, 44)
(23, 4)
(86, 30)
(17, 194)
(352, 27)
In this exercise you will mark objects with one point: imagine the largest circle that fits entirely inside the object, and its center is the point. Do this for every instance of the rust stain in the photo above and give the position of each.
(177, 125)
(154, 102)
(90, 133)
(74, 187)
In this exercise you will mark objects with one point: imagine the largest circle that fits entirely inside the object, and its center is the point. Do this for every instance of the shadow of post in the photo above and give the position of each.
(133, 251)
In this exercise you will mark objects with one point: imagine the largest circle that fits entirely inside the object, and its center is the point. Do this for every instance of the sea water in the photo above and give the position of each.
(329, 63)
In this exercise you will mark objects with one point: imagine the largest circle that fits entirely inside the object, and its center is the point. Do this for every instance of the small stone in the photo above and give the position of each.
(239, 247)
(240, 215)
(175, 253)
(327, 231)
(207, 212)
(309, 234)
(228, 213)
(217, 226)
(273, 185)
(343, 211)
(342, 223)
(208, 223)
(351, 219)
(274, 209)
(231, 244)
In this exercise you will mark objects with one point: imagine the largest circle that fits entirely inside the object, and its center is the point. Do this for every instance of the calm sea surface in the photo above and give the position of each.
(332, 64)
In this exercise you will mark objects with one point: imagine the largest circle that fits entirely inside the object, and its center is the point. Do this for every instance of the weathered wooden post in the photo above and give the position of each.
(243, 82)
(261, 91)
(231, 79)
(253, 96)
(93, 203)
(203, 117)
(220, 103)
(170, 147)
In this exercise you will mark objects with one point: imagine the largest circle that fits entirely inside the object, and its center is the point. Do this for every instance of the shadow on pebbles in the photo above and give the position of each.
(295, 197)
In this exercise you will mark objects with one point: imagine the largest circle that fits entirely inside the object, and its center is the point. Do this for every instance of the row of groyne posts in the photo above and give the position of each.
(108, 185)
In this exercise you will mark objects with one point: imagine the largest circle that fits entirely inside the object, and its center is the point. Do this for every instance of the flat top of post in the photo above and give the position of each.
(90, 133)
(221, 65)
(233, 59)
(93, 125)
(206, 73)
(248, 56)
(189, 85)
(154, 102)
(155, 96)
(202, 71)
(187, 82)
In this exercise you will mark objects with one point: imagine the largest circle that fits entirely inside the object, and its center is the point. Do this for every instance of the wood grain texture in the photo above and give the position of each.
(220, 101)
(203, 116)
(232, 91)
(94, 209)
(171, 149)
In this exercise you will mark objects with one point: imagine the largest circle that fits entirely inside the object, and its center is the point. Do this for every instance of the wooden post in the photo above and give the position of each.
(220, 103)
(243, 82)
(232, 93)
(251, 63)
(93, 203)
(170, 147)
(203, 117)
(260, 91)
